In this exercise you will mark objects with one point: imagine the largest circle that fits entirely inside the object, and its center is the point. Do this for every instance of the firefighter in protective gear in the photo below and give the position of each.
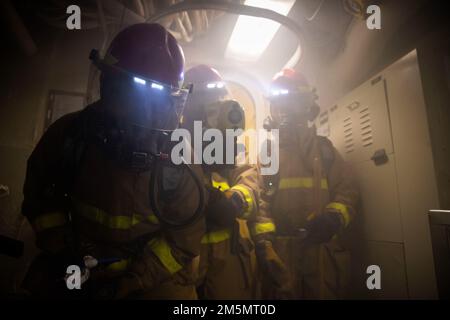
(227, 258)
(311, 200)
(87, 184)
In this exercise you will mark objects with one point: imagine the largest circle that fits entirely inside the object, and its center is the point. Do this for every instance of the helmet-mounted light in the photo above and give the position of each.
(158, 96)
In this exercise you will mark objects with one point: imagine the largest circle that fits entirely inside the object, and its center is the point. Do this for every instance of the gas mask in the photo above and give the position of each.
(142, 102)
(141, 112)
(225, 114)
(220, 115)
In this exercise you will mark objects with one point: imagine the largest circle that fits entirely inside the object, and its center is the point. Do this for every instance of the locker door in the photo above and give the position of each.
(359, 125)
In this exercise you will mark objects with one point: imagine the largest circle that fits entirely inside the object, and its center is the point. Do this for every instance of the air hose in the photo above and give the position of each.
(155, 178)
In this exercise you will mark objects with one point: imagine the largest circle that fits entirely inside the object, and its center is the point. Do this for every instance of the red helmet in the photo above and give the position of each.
(150, 51)
(291, 93)
(143, 71)
(208, 87)
(291, 80)
(202, 74)
(207, 82)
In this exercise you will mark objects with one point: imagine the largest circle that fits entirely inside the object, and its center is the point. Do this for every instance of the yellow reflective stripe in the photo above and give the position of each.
(342, 209)
(114, 222)
(222, 185)
(49, 220)
(162, 250)
(118, 266)
(244, 232)
(300, 182)
(153, 219)
(310, 216)
(216, 236)
(248, 198)
(264, 227)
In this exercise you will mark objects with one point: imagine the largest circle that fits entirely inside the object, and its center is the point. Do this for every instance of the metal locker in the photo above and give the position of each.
(381, 128)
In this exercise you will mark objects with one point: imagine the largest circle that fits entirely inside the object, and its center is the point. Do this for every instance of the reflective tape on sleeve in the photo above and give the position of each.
(264, 227)
(342, 209)
(221, 185)
(162, 250)
(248, 199)
(118, 266)
(49, 220)
(216, 236)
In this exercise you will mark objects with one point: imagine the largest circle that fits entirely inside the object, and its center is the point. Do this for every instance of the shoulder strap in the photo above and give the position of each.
(327, 153)
(270, 182)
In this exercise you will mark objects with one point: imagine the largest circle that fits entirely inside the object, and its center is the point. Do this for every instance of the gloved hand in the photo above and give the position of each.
(323, 227)
(223, 207)
(273, 269)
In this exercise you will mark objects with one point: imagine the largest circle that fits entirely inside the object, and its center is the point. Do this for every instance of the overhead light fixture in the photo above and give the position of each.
(252, 35)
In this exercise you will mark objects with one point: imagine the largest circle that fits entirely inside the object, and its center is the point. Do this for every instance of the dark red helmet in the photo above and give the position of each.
(208, 88)
(150, 51)
(142, 75)
(291, 94)
(207, 83)
(291, 80)
(202, 74)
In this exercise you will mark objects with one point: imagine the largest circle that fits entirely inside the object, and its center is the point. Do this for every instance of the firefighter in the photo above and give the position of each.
(98, 185)
(227, 259)
(311, 200)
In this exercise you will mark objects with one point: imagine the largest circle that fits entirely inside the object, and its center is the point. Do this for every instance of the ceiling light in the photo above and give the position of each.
(252, 35)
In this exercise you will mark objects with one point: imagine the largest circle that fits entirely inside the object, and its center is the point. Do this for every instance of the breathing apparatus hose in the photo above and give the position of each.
(155, 176)
(156, 171)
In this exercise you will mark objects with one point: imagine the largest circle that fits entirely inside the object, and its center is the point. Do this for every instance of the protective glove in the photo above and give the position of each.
(274, 270)
(321, 228)
(223, 207)
(45, 278)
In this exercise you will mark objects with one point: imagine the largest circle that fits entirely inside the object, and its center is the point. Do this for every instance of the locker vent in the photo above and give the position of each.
(349, 144)
(323, 118)
(366, 127)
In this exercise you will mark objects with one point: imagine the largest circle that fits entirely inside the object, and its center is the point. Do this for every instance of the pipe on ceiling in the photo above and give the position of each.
(239, 9)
